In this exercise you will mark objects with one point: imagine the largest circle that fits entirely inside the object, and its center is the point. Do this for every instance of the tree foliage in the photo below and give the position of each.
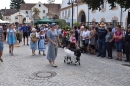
(50, 1)
(96, 4)
(15, 4)
(36, 12)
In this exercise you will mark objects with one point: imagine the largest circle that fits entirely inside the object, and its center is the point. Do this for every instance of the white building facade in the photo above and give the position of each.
(81, 13)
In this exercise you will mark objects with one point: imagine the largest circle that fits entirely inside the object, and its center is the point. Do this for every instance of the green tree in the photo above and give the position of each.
(36, 12)
(1, 16)
(50, 1)
(15, 4)
(96, 4)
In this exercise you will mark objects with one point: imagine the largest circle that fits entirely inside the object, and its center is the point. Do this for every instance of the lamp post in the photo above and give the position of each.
(72, 2)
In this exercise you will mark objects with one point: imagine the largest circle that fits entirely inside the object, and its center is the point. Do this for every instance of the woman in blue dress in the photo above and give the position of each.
(41, 43)
(11, 35)
(53, 40)
(33, 45)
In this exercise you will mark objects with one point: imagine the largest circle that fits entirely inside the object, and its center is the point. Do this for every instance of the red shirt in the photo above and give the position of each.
(65, 33)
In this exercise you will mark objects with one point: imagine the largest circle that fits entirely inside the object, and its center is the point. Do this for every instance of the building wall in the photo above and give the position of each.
(7, 18)
(105, 14)
(19, 19)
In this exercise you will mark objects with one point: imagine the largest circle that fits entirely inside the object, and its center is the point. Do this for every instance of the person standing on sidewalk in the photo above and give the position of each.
(101, 40)
(118, 36)
(109, 39)
(127, 45)
(53, 40)
(1, 43)
(11, 35)
(25, 30)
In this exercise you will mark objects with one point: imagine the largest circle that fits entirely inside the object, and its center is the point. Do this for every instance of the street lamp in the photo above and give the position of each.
(72, 2)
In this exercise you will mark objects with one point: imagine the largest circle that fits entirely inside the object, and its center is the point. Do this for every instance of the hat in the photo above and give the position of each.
(46, 25)
(102, 24)
(33, 29)
(82, 27)
(53, 24)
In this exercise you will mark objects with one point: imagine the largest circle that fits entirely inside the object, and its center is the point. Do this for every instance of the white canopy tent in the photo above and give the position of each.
(4, 21)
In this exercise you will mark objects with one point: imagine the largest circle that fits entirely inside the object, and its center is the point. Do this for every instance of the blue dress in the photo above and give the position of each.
(33, 45)
(11, 37)
(52, 50)
(41, 43)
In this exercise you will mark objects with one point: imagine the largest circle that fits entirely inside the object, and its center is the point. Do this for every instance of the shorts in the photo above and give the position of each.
(25, 34)
(1, 46)
(119, 46)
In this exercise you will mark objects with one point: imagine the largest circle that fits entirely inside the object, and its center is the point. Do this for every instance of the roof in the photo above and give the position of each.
(8, 12)
(28, 6)
(52, 8)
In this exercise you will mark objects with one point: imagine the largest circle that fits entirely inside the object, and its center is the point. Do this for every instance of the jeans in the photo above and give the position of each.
(109, 48)
(119, 46)
(101, 47)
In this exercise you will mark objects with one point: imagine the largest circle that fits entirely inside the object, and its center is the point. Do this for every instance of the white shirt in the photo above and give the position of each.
(113, 30)
(11, 30)
(85, 34)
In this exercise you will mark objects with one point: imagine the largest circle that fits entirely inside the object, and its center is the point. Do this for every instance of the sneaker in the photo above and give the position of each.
(54, 65)
(27, 44)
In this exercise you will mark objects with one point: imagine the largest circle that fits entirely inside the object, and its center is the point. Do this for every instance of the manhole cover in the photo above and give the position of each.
(128, 65)
(44, 74)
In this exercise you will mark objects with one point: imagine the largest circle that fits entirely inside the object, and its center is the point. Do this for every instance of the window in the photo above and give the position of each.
(26, 12)
(103, 5)
(69, 13)
(115, 4)
(63, 13)
(114, 23)
(39, 5)
(7, 17)
(16, 17)
(43, 11)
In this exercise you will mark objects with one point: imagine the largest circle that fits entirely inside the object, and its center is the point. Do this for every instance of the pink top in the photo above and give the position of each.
(118, 34)
(72, 39)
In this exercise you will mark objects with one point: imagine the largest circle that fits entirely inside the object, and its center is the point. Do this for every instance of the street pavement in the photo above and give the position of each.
(23, 69)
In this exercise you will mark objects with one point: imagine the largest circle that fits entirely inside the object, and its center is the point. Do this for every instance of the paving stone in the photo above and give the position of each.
(18, 70)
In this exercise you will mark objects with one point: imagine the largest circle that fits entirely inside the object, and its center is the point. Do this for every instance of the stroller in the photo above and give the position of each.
(72, 54)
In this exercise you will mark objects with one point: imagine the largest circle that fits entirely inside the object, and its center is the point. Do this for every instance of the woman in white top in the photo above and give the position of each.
(85, 37)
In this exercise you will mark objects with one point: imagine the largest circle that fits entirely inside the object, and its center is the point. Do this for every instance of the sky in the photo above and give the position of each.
(6, 3)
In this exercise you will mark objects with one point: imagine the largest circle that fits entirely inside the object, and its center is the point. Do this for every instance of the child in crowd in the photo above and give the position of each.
(41, 43)
(73, 43)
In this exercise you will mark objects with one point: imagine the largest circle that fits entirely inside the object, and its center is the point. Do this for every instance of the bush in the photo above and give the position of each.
(67, 27)
(76, 24)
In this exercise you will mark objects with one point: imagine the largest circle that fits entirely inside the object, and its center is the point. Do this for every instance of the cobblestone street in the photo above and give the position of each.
(23, 69)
